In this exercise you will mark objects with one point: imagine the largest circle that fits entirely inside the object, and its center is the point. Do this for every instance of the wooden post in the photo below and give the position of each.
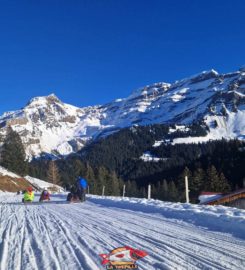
(186, 189)
(124, 190)
(103, 191)
(149, 192)
(88, 189)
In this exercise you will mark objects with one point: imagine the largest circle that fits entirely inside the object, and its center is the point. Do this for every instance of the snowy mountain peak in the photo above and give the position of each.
(44, 100)
(207, 73)
(202, 76)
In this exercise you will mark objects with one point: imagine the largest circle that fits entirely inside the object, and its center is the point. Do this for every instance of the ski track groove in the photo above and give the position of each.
(30, 260)
(78, 253)
(4, 245)
(44, 230)
(21, 240)
(18, 238)
(67, 250)
(64, 237)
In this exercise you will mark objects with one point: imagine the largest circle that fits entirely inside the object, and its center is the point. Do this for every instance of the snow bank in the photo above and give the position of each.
(215, 218)
(41, 184)
(4, 171)
(205, 198)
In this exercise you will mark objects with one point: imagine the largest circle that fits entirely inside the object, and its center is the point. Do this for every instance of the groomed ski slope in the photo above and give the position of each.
(71, 236)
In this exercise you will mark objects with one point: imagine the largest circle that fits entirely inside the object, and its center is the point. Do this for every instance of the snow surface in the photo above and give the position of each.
(158, 143)
(4, 171)
(179, 128)
(148, 157)
(41, 184)
(206, 198)
(71, 236)
(230, 127)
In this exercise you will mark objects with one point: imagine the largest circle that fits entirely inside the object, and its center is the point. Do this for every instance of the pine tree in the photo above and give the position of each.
(132, 189)
(224, 185)
(53, 173)
(121, 184)
(165, 194)
(173, 192)
(13, 153)
(78, 168)
(214, 182)
(155, 191)
(115, 184)
(128, 189)
(196, 184)
(100, 176)
(112, 183)
(143, 193)
(88, 174)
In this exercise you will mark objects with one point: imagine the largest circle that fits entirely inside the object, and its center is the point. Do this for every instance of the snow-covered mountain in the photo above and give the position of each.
(47, 125)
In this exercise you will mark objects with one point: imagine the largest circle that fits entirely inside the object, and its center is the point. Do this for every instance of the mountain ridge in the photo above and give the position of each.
(48, 125)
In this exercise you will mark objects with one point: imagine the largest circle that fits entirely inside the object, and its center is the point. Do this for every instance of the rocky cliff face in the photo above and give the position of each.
(47, 125)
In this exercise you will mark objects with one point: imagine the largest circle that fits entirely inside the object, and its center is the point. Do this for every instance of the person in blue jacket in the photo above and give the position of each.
(81, 188)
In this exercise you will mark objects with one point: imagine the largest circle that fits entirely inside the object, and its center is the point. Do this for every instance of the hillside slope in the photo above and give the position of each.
(11, 182)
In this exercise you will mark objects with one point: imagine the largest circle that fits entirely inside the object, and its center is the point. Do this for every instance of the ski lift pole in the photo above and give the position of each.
(149, 192)
(124, 190)
(186, 190)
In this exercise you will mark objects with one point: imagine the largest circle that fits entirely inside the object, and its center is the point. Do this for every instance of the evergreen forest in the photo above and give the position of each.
(115, 161)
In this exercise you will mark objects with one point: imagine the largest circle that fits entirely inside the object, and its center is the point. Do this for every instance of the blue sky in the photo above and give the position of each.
(90, 52)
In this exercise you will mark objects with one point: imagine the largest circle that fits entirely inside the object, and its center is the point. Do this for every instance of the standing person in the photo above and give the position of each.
(81, 188)
(45, 196)
(28, 195)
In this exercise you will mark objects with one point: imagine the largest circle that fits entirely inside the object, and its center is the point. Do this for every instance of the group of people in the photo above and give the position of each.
(29, 195)
(77, 193)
